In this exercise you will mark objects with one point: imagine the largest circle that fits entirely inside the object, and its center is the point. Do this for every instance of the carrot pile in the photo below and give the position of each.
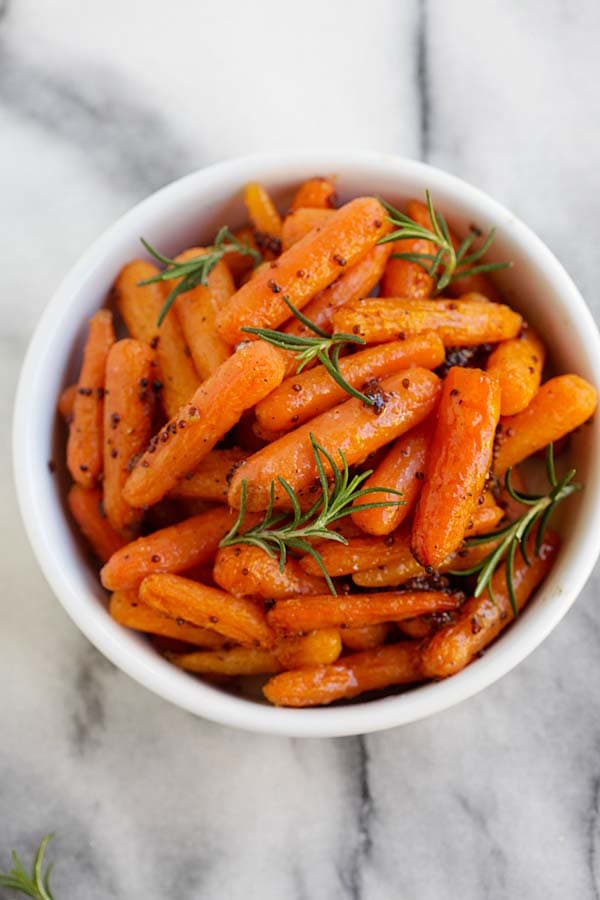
(186, 435)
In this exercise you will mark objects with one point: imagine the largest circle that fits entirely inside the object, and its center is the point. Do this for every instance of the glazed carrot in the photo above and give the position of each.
(310, 393)
(140, 307)
(247, 570)
(231, 661)
(511, 508)
(84, 445)
(517, 364)
(235, 618)
(127, 609)
(402, 469)
(404, 278)
(458, 461)
(459, 323)
(304, 269)
(366, 638)
(424, 626)
(173, 549)
(348, 677)
(481, 619)
(262, 213)
(128, 408)
(210, 480)
(239, 264)
(196, 311)
(86, 508)
(66, 402)
(317, 648)
(240, 382)
(298, 223)
(351, 427)
(315, 193)
(298, 614)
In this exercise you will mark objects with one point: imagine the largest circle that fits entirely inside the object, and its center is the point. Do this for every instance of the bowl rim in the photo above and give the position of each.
(176, 686)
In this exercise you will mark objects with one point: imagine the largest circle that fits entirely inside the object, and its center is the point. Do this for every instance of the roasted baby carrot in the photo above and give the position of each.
(173, 549)
(247, 570)
(560, 405)
(317, 648)
(298, 223)
(348, 677)
(239, 264)
(351, 427)
(84, 445)
(482, 618)
(235, 618)
(264, 217)
(240, 382)
(128, 408)
(310, 393)
(66, 402)
(304, 269)
(196, 310)
(210, 480)
(315, 193)
(87, 510)
(140, 307)
(230, 661)
(405, 278)
(402, 469)
(458, 461)
(366, 638)
(459, 323)
(424, 626)
(517, 364)
(127, 609)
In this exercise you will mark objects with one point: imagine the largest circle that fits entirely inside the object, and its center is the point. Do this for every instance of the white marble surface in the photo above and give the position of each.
(100, 103)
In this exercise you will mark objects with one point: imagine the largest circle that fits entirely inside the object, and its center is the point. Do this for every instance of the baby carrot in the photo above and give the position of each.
(264, 217)
(298, 223)
(240, 382)
(517, 364)
(230, 661)
(235, 618)
(247, 570)
(315, 193)
(317, 648)
(210, 480)
(365, 638)
(128, 408)
(459, 323)
(459, 458)
(66, 402)
(127, 609)
(404, 278)
(239, 264)
(403, 469)
(84, 445)
(348, 677)
(351, 427)
(304, 269)
(140, 307)
(310, 393)
(560, 405)
(482, 618)
(87, 510)
(173, 549)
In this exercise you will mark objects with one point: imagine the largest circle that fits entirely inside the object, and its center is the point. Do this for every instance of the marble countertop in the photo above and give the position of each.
(497, 798)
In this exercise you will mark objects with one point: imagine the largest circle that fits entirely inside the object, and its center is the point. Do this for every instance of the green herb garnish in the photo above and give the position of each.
(34, 884)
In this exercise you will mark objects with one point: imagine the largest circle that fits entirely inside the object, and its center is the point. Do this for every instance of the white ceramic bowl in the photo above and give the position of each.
(185, 213)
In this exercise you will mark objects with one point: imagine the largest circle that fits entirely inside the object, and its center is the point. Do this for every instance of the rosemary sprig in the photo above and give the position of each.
(514, 536)
(325, 348)
(35, 884)
(195, 271)
(280, 531)
(448, 263)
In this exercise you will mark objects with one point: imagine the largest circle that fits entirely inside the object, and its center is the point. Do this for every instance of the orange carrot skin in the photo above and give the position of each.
(310, 393)
(84, 445)
(176, 548)
(140, 307)
(298, 223)
(245, 570)
(350, 427)
(128, 409)
(366, 638)
(459, 323)
(403, 469)
(235, 618)
(210, 480)
(126, 608)
(262, 211)
(196, 311)
(317, 648)
(239, 264)
(517, 364)
(87, 510)
(229, 661)
(238, 384)
(561, 404)
(298, 614)
(403, 278)
(460, 456)
(348, 677)
(315, 193)
(481, 619)
(66, 402)
(304, 269)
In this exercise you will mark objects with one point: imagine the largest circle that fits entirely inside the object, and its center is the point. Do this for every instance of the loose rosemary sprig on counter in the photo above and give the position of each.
(447, 264)
(280, 531)
(325, 348)
(514, 536)
(195, 271)
(35, 884)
